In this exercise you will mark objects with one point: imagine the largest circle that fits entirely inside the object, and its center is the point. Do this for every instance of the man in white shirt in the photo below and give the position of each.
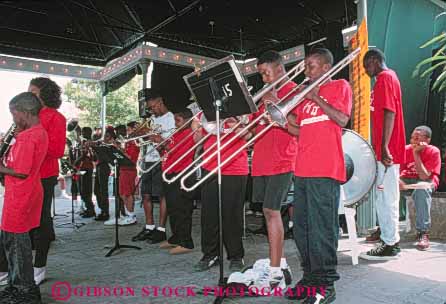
(151, 182)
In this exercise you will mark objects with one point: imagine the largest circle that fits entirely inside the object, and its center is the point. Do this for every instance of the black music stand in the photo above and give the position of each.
(221, 92)
(115, 157)
(54, 206)
(73, 224)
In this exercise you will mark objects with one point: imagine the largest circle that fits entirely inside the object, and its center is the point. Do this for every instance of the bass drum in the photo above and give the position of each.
(361, 167)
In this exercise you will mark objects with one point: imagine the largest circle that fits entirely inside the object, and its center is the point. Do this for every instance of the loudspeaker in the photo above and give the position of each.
(142, 97)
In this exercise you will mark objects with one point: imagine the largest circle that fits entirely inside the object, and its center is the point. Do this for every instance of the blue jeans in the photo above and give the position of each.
(16, 258)
(423, 202)
(387, 200)
(316, 228)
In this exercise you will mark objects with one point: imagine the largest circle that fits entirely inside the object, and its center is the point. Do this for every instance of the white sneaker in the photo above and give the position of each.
(39, 275)
(3, 278)
(110, 222)
(64, 195)
(267, 280)
(127, 220)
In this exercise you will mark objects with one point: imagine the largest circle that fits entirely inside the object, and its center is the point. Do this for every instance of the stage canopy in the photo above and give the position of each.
(94, 32)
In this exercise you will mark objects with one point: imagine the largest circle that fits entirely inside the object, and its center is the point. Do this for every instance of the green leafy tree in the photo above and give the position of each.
(122, 104)
(427, 66)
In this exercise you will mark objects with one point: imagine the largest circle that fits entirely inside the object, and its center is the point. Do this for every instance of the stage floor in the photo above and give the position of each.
(77, 264)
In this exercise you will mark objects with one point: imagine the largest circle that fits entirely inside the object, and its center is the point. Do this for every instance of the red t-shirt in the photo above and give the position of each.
(55, 125)
(239, 163)
(431, 159)
(132, 150)
(180, 151)
(319, 148)
(386, 94)
(24, 197)
(275, 151)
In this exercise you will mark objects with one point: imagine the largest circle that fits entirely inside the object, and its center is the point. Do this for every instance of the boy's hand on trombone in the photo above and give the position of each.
(231, 122)
(313, 94)
(270, 97)
(156, 138)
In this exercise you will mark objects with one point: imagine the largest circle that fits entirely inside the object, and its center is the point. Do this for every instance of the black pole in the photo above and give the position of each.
(218, 103)
(117, 210)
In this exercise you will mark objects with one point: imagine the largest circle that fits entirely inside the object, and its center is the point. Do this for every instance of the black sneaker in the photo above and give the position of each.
(102, 217)
(298, 292)
(328, 296)
(88, 214)
(382, 252)
(289, 234)
(9, 295)
(145, 234)
(157, 237)
(31, 297)
(206, 263)
(236, 265)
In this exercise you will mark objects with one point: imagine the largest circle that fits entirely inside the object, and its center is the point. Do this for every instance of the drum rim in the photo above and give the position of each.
(360, 201)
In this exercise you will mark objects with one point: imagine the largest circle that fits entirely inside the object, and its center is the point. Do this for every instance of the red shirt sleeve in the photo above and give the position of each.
(383, 94)
(24, 155)
(342, 99)
(433, 161)
(56, 136)
(408, 151)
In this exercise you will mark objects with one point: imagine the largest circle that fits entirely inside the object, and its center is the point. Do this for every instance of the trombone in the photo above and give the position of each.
(297, 70)
(143, 130)
(278, 113)
(165, 141)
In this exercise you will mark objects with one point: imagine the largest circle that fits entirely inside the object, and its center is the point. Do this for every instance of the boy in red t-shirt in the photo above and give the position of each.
(319, 172)
(389, 141)
(180, 203)
(422, 167)
(23, 200)
(233, 186)
(127, 177)
(273, 161)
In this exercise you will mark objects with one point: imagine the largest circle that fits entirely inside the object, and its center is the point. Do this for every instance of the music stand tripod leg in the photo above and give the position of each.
(117, 211)
(54, 208)
(73, 223)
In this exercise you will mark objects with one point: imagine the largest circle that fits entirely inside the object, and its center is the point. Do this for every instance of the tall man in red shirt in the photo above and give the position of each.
(273, 162)
(423, 164)
(180, 203)
(23, 200)
(389, 141)
(54, 123)
(319, 172)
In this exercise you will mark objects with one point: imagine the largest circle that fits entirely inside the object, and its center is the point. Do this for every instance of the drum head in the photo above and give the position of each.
(361, 167)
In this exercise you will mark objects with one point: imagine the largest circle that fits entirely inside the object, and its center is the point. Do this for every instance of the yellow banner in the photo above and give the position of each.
(360, 83)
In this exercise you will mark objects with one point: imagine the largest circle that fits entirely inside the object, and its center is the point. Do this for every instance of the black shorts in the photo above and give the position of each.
(152, 181)
(271, 190)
